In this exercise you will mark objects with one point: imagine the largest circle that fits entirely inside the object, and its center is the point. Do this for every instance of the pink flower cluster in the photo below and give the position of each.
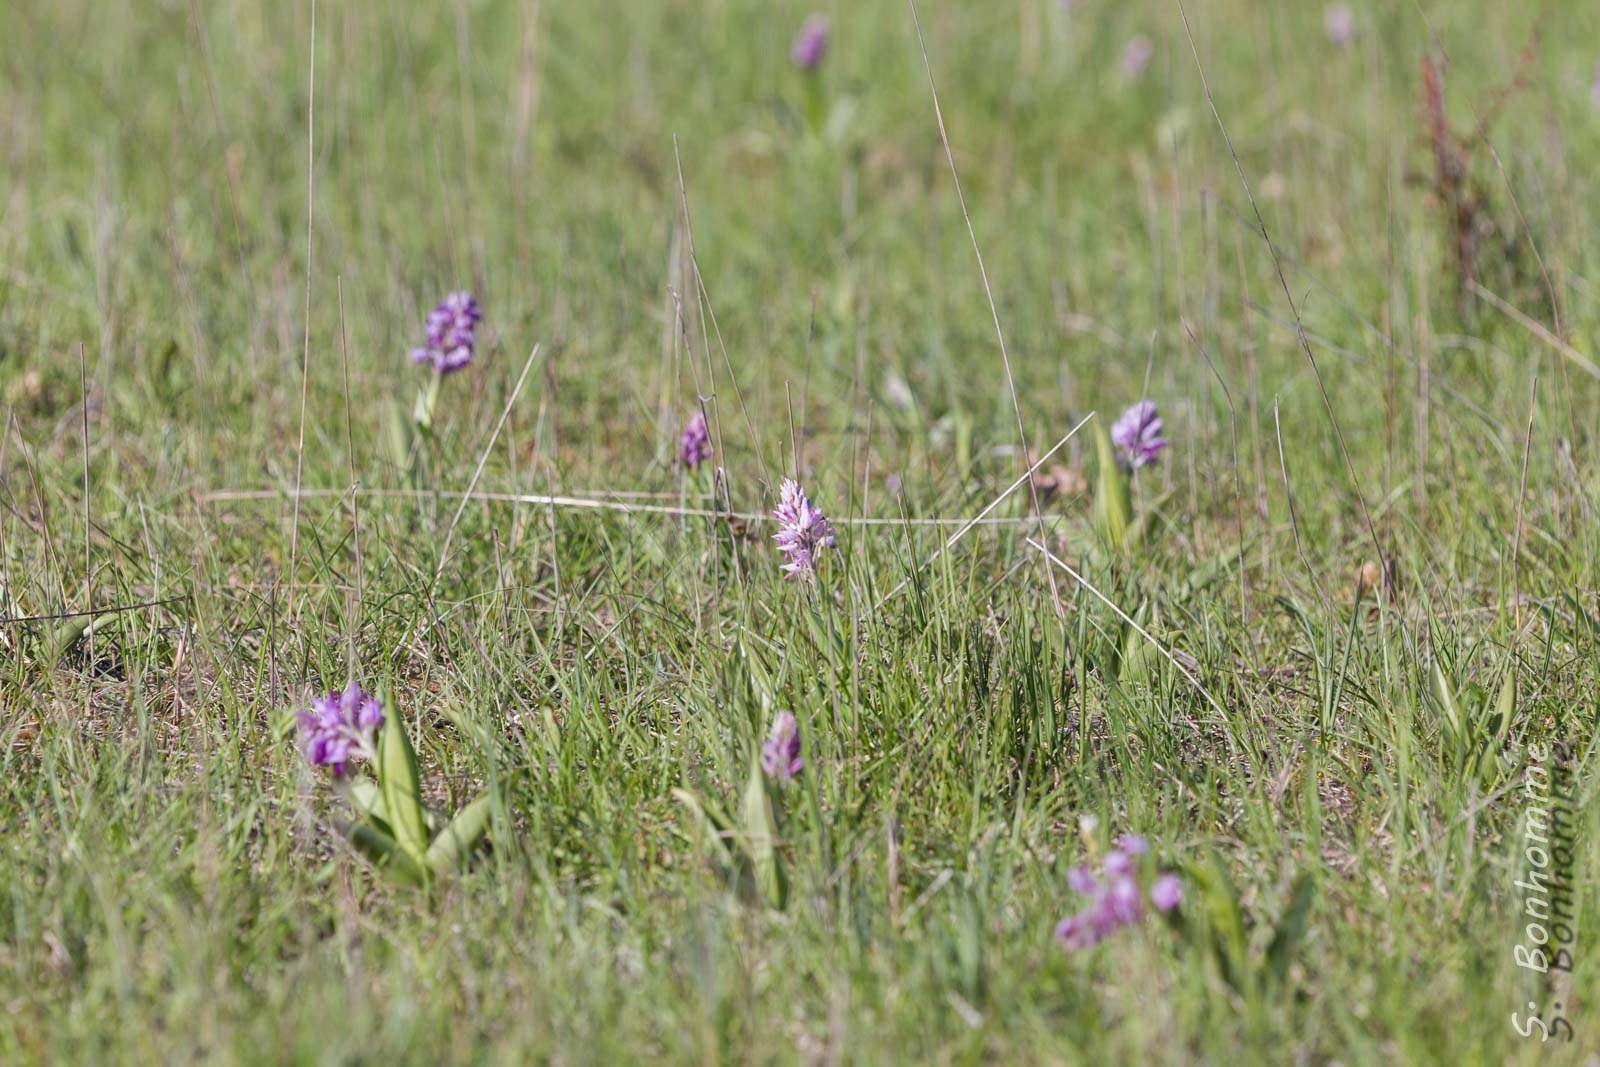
(449, 328)
(810, 43)
(1137, 435)
(694, 444)
(1115, 899)
(802, 531)
(341, 727)
(780, 753)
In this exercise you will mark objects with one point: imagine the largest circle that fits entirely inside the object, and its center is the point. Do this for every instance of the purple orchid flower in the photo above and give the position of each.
(694, 445)
(802, 531)
(450, 341)
(1114, 900)
(780, 753)
(1137, 435)
(341, 727)
(810, 43)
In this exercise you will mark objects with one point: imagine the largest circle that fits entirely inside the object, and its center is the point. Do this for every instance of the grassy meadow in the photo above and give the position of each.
(1341, 670)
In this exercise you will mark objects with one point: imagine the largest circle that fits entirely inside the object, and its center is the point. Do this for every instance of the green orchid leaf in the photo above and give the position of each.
(69, 633)
(365, 794)
(399, 783)
(453, 845)
(384, 852)
(761, 838)
(427, 402)
(398, 437)
(1113, 510)
(1134, 654)
(368, 799)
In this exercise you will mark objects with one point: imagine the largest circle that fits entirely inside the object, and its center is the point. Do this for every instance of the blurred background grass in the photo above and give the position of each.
(157, 203)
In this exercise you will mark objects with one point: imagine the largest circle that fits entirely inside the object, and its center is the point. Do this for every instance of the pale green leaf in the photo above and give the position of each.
(368, 799)
(398, 780)
(1113, 510)
(384, 852)
(454, 844)
(761, 838)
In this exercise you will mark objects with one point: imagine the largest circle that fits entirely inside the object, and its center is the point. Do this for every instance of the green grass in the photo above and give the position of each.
(175, 889)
